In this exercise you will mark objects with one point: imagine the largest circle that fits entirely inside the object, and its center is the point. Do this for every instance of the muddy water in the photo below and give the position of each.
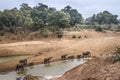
(48, 71)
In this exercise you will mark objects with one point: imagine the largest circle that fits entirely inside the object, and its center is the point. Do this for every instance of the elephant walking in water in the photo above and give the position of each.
(71, 57)
(63, 57)
(47, 60)
(20, 67)
(79, 56)
(86, 54)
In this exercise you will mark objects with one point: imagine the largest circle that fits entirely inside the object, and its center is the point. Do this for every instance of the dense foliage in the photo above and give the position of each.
(102, 18)
(38, 18)
(42, 17)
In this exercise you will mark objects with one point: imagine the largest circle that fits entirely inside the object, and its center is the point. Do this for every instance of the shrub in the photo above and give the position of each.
(59, 34)
(99, 29)
(45, 33)
(74, 36)
(116, 55)
(2, 33)
(94, 57)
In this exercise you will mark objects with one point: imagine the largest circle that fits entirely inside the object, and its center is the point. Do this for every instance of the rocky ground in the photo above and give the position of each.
(30, 77)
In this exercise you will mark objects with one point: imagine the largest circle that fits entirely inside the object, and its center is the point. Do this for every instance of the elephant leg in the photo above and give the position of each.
(45, 61)
(16, 68)
(23, 68)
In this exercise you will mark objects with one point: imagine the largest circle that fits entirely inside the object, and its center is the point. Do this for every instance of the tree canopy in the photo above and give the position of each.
(74, 16)
(104, 17)
(42, 16)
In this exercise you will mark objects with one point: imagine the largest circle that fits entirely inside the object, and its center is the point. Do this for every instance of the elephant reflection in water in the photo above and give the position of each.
(47, 60)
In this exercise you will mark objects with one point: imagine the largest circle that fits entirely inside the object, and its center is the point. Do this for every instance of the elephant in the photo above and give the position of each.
(47, 60)
(79, 56)
(86, 54)
(63, 57)
(71, 57)
(20, 67)
(24, 61)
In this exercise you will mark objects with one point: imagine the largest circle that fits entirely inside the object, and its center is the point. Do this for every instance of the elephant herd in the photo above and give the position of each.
(84, 55)
(23, 63)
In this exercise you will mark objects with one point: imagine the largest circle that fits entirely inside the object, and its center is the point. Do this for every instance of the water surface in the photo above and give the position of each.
(48, 71)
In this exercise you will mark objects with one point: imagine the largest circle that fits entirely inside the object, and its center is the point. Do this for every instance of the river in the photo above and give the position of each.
(48, 71)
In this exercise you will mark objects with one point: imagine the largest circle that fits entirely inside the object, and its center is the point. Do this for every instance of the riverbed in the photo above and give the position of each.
(54, 69)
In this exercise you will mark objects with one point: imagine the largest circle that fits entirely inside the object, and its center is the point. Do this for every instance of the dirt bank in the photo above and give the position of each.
(30, 77)
(96, 69)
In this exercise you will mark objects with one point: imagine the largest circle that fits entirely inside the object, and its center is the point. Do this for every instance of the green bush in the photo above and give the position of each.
(59, 34)
(2, 33)
(99, 29)
(45, 34)
(116, 55)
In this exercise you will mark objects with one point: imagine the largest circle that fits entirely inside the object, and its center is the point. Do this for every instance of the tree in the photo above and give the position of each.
(104, 17)
(25, 6)
(39, 15)
(58, 18)
(38, 23)
(25, 14)
(75, 17)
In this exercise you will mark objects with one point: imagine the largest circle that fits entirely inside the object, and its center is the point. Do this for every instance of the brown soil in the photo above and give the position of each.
(96, 42)
(96, 69)
(30, 77)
